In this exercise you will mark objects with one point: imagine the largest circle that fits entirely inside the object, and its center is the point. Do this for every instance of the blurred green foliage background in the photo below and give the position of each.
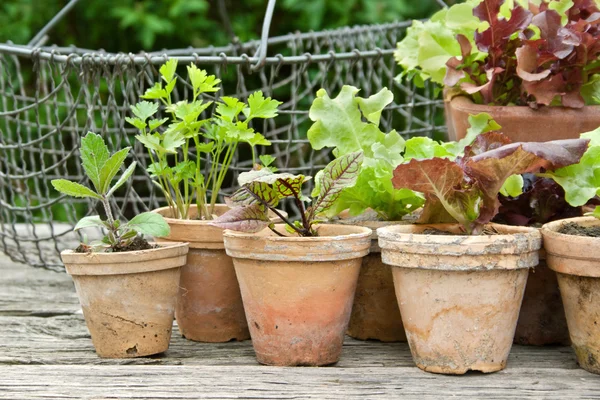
(135, 25)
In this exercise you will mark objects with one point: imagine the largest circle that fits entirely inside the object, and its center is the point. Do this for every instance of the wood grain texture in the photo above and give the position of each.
(46, 353)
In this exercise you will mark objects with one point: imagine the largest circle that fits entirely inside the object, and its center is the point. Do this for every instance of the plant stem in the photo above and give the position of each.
(302, 232)
(272, 228)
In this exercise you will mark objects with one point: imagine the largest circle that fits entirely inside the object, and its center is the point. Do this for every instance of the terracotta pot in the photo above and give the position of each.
(459, 296)
(542, 318)
(521, 123)
(297, 291)
(375, 313)
(576, 259)
(209, 306)
(128, 299)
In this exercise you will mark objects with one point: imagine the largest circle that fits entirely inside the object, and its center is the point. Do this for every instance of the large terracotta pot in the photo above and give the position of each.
(576, 259)
(459, 296)
(375, 313)
(542, 318)
(128, 299)
(209, 306)
(521, 123)
(298, 291)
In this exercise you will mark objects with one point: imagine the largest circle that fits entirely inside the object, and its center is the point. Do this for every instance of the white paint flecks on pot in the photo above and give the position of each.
(128, 299)
(459, 296)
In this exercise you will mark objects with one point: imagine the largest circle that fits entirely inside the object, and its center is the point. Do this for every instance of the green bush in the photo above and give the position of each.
(159, 24)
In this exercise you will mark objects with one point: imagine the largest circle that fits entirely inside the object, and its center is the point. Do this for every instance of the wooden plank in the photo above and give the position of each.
(46, 353)
(261, 382)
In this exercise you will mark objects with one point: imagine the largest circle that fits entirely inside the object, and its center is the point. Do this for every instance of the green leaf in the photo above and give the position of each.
(513, 186)
(595, 213)
(110, 169)
(249, 219)
(184, 170)
(230, 108)
(91, 221)
(338, 175)
(248, 194)
(593, 136)
(252, 175)
(372, 106)
(149, 223)
(259, 107)
(205, 147)
(421, 148)
(478, 124)
(167, 70)
(201, 81)
(258, 140)
(338, 122)
(138, 123)
(144, 110)
(581, 182)
(94, 155)
(156, 92)
(172, 140)
(155, 123)
(126, 175)
(390, 149)
(158, 168)
(266, 159)
(73, 189)
(150, 141)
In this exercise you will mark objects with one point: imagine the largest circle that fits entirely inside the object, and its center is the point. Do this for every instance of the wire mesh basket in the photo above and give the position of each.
(51, 96)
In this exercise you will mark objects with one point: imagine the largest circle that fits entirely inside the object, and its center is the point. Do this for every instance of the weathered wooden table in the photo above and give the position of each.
(46, 353)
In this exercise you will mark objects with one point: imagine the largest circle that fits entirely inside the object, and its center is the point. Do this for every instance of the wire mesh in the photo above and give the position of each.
(51, 96)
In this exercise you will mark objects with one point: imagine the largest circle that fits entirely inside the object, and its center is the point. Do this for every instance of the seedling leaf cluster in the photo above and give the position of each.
(101, 169)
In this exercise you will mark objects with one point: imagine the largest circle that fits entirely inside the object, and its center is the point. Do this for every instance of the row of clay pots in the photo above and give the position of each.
(459, 296)
(375, 313)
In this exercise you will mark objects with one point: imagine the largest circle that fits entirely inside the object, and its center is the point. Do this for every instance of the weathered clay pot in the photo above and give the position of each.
(576, 259)
(523, 124)
(128, 299)
(375, 312)
(542, 318)
(459, 295)
(209, 306)
(298, 291)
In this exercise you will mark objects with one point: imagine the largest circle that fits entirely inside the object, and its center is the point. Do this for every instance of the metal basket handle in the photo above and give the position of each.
(40, 38)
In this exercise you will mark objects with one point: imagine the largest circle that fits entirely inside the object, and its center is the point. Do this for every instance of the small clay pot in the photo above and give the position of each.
(375, 313)
(522, 123)
(128, 299)
(576, 259)
(459, 295)
(209, 306)
(542, 318)
(298, 291)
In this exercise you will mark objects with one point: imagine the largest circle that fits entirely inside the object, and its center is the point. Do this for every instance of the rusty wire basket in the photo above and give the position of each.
(50, 96)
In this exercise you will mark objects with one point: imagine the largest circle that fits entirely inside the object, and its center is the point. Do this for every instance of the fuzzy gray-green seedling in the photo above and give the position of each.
(101, 168)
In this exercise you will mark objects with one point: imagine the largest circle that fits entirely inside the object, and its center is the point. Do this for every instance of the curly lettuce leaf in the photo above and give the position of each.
(467, 188)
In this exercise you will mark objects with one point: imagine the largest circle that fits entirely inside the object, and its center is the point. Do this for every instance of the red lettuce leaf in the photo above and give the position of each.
(468, 188)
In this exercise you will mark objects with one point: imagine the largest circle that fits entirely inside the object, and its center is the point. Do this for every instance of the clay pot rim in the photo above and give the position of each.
(126, 260)
(550, 231)
(464, 103)
(364, 232)
(394, 232)
(172, 255)
(197, 222)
